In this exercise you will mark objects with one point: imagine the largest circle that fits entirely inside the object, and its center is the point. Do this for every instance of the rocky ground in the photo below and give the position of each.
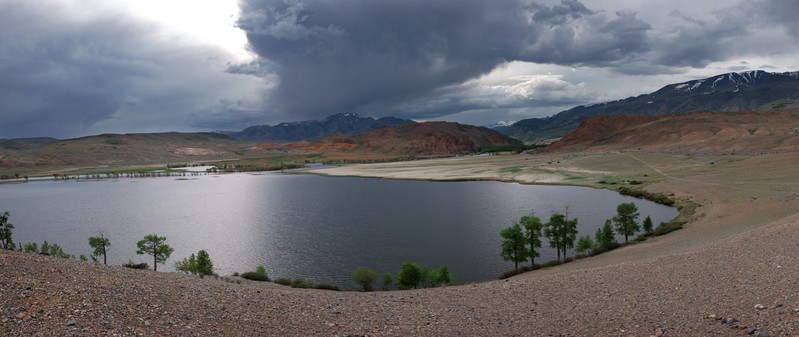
(730, 272)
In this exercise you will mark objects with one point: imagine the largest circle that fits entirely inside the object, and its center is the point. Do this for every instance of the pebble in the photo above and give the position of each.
(759, 306)
(71, 322)
(660, 332)
(751, 331)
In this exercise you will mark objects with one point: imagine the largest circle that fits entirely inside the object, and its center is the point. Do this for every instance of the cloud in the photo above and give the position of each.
(77, 68)
(380, 57)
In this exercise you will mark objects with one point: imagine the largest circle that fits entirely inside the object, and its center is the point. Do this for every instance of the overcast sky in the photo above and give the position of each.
(78, 67)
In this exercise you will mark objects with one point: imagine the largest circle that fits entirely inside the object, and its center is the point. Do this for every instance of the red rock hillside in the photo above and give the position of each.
(430, 138)
(698, 133)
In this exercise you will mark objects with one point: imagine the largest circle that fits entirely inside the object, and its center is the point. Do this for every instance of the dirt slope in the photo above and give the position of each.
(700, 133)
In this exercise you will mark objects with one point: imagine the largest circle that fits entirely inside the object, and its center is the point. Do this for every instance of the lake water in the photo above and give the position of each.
(307, 226)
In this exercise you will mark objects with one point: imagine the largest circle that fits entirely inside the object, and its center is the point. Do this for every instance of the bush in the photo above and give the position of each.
(45, 249)
(364, 277)
(132, 265)
(284, 281)
(409, 276)
(325, 286)
(255, 276)
(188, 266)
(388, 280)
(31, 247)
(301, 283)
(605, 247)
(514, 272)
(444, 276)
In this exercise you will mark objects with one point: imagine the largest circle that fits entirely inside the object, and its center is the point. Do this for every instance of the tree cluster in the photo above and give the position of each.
(522, 240)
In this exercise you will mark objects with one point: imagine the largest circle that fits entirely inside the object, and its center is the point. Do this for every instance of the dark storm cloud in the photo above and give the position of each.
(60, 76)
(728, 33)
(372, 56)
(72, 69)
(782, 12)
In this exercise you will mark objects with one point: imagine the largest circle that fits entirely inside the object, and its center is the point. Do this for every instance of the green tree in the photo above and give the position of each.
(204, 265)
(561, 233)
(45, 248)
(514, 247)
(388, 280)
(626, 220)
(56, 250)
(444, 276)
(584, 245)
(604, 235)
(532, 230)
(409, 276)
(364, 277)
(100, 245)
(429, 277)
(156, 247)
(31, 247)
(647, 225)
(187, 265)
(6, 232)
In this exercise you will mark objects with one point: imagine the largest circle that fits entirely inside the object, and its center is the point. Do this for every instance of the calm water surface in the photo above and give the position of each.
(307, 226)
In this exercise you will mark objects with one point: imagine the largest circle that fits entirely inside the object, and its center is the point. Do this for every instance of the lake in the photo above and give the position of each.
(304, 226)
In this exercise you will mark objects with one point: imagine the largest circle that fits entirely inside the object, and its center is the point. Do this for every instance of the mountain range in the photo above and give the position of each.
(338, 124)
(731, 92)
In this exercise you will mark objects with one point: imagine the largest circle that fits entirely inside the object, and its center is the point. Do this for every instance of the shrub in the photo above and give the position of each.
(132, 265)
(605, 247)
(255, 276)
(364, 277)
(301, 283)
(31, 247)
(444, 276)
(188, 266)
(522, 269)
(388, 280)
(53, 250)
(284, 281)
(325, 286)
(409, 276)
(260, 269)
(45, 249)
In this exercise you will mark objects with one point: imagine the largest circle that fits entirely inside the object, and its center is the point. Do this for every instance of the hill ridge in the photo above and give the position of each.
(754, 90)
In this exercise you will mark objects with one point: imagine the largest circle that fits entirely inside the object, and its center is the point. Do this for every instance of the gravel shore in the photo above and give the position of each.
(738, 262)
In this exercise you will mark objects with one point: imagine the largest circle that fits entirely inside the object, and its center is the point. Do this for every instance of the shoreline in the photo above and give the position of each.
(732, 259)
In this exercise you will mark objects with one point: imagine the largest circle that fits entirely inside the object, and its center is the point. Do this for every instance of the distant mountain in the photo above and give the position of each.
(732, 92)
(429, 138)
(116, 149)
(338, 124)
(500, 124)
(24, 143)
